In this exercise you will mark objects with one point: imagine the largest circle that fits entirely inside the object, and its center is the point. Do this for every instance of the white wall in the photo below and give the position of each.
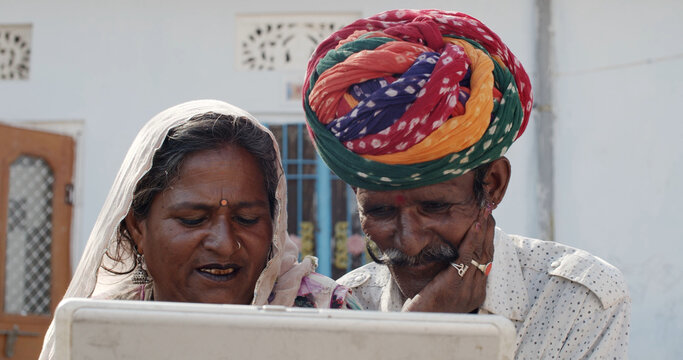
(116, 64)
(619, 155)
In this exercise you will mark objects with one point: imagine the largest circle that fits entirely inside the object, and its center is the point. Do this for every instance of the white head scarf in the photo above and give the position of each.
(283, 265)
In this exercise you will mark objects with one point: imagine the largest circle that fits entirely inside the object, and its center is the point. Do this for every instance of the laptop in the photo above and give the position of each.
(117, 329)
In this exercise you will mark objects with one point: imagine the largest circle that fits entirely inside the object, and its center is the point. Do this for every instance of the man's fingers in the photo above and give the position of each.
(450, 292)
(472, 245)
(487, 243)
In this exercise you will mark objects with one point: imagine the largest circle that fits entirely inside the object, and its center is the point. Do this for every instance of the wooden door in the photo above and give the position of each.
(35, 223)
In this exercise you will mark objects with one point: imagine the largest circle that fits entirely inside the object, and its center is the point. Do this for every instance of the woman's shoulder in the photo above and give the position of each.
(319, 291)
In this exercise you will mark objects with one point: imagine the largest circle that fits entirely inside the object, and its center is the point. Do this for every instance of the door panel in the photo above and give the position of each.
(35, 220)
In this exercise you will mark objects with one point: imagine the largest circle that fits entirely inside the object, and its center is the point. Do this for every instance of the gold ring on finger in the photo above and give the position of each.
(485, 268)
(462, 268)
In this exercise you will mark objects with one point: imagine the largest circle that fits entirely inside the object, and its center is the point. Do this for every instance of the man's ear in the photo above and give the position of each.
(497, 180)
(137, 230)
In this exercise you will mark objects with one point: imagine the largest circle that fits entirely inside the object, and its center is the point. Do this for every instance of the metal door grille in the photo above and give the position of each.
(29, 237)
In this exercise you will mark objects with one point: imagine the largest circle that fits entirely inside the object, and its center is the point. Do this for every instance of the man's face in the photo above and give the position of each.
(422, 223)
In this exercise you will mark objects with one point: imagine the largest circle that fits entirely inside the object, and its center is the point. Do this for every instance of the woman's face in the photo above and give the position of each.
(207, 236)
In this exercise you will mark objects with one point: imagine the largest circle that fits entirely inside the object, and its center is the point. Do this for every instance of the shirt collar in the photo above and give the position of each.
(506, 293)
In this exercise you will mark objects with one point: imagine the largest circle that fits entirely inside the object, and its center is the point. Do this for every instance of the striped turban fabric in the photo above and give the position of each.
(408, 98)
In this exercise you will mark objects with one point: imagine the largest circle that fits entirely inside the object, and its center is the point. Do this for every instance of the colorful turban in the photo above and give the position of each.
(409, 98)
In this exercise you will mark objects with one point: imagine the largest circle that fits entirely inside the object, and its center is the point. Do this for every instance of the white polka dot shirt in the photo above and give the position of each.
(564, 302)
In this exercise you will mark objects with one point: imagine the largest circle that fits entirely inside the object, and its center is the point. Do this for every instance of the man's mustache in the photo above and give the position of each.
(437, 253)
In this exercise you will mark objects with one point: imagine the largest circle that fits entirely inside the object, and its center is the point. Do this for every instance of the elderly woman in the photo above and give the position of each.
(197, 214)
(415, 109)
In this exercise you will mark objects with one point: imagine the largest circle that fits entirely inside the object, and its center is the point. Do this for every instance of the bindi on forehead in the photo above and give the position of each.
(400, 199)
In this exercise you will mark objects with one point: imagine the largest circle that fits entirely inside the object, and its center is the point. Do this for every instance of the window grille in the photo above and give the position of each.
(283, 42)
(303, 173)
(15, 52)
(29, 237)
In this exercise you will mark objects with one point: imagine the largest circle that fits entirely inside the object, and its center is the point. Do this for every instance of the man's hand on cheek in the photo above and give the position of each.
(448, 291)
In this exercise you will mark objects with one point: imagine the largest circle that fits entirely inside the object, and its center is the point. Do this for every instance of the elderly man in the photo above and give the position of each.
(415, 110)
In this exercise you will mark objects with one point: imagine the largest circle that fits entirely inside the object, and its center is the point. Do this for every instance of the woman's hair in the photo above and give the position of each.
(206, 131)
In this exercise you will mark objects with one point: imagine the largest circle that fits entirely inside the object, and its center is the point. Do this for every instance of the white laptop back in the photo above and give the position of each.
(98, 329)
